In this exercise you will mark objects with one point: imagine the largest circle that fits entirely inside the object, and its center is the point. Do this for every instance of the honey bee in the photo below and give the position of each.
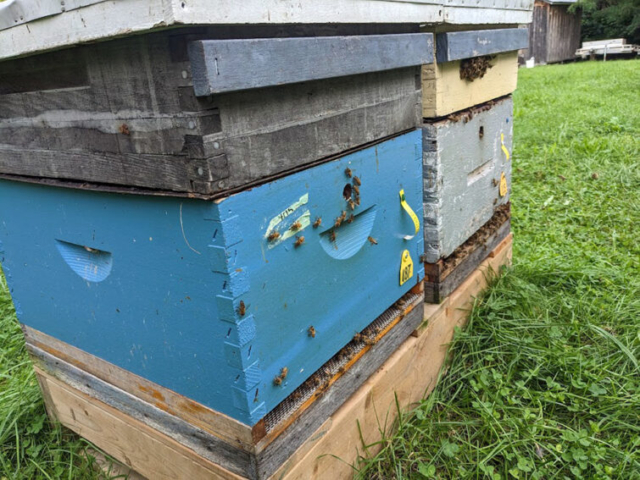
(372, 240)
(273, 236)
(340, 219)
(358, 201)
(356, 181)
(348, 172)
(356, 189)
(284, 372)
(358, 337)
(295, 226)
(318, 222)
(277, 380)
(351, 218)
(332, 236)
(312, 332)
(296, 395)
(352, 205)
(299, 241)
(242, 309)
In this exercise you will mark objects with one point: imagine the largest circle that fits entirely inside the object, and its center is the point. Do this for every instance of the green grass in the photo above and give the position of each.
(544, 382)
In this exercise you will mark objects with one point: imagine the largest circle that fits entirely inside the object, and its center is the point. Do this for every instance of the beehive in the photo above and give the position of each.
(472, 67)
(216, 299)
(178, 111)
(467, 174)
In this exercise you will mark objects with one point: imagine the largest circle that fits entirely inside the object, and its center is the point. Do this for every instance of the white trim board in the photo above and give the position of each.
(89, 21)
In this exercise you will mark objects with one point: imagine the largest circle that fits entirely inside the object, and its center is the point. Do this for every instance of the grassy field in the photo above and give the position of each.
(545, 382)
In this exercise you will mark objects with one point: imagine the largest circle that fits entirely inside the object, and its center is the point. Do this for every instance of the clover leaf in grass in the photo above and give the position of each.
(449, 449)
(427, 470)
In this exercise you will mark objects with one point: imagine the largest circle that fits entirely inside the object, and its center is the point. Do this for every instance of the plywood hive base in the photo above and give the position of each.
(408, 374)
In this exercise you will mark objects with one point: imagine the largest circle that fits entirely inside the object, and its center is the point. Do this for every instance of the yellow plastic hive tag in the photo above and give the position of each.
(406, 267)
(504, 149)
(503, 185)
(412, 214)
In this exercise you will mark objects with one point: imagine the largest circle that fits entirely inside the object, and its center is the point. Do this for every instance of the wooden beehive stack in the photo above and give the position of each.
(467, 142)
(214, 235)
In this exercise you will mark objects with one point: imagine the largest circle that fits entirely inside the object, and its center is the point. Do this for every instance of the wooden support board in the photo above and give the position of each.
(230, 65)
(408, 375)
(475, 43)
(444, 92)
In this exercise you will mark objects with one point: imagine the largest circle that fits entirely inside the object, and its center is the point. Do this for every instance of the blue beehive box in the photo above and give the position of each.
(213, 299)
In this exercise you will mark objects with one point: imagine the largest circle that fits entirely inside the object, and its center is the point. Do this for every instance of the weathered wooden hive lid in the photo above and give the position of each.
(32, 26)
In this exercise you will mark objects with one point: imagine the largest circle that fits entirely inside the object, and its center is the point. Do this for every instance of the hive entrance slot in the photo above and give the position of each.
(89, 263)
(346, 192)
(345, 241)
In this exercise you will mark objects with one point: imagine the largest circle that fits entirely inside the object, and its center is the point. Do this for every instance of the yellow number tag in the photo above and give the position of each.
(406, 267)
(503, 185)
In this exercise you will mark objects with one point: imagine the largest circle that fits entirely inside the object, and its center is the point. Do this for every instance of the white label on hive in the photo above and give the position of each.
(304, 220)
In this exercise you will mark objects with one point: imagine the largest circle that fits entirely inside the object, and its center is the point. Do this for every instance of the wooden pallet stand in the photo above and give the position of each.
(329, 448)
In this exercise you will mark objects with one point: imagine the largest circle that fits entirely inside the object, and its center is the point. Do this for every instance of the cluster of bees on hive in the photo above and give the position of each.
(352, 197)
(353, 201)
(295, 226)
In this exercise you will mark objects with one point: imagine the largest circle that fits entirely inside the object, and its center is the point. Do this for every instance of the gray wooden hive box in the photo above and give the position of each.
(183, 112)
(466, 160)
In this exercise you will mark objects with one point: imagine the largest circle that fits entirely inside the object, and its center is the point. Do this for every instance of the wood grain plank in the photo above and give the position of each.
(444, 92)
(452, 46)
(215, 423)
(165, 172)
(131, 442)
(230, 65)
(202, 443)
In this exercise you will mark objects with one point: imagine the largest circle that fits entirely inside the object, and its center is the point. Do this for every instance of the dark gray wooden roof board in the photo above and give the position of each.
(232, 65)
(458, 45)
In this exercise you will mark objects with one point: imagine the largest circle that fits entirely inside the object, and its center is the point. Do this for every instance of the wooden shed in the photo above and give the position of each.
(554, 34)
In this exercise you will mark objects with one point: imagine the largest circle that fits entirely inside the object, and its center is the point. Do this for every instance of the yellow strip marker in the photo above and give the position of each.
(503, 185)
(411, 213)
(504, 148)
